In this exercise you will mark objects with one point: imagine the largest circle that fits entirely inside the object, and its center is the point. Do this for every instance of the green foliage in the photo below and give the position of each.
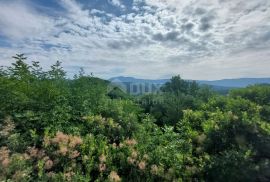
(178, 95)
(259, 94)
(233, 134)
(117, 93)
(57, 129)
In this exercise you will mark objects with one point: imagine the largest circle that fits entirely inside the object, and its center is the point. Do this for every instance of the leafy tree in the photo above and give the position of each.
(57, 71)
(178, 95)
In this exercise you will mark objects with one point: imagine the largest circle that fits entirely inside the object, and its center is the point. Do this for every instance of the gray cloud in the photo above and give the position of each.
(170, 36)
(200, 11)
(187, 27)
(206, 22)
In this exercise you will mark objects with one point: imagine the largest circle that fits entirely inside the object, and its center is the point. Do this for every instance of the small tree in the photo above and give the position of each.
(57, 71)
(19, 69)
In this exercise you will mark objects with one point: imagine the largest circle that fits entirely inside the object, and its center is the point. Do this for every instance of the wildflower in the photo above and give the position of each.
(74, 154)
(41, 154)
(131, 160)
(19, 175)
(142, 165)
(63, 150)
(46, 141)
(114, 145)
(4, 153)
(5, 162)
(50, 174)
(161, 170)
(85, 158)
(84, 117)
(61, 138)
(33, 151)
(154, 169)
(102, 167)
(20, 157)
(157, 170)
(131, 142)
(102, 158)
(48, 164)
(235, 117)
(73, 164)
(134, 154)
(46, 158)
(26, 156)
(114, 176)
(7, 128)
(68, 175)
(74, 141)
(145, 156)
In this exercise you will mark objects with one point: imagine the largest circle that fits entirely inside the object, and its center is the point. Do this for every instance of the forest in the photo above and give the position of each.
(54, 128)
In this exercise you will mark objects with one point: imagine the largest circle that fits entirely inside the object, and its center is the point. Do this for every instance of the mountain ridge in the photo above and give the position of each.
(230, 83)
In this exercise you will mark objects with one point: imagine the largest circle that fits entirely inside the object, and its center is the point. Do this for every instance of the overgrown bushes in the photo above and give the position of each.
(59, 129)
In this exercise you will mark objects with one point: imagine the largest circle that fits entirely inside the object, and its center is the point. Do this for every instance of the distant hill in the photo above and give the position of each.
(237, 83)
(221, 86)
(136, 80)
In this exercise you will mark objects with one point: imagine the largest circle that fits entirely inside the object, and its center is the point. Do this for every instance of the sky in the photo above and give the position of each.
(153, 39)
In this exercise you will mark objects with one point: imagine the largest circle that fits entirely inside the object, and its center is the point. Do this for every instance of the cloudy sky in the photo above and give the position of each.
(198, 39)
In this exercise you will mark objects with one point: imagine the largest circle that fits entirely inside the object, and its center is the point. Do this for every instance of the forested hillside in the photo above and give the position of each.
(59, 129)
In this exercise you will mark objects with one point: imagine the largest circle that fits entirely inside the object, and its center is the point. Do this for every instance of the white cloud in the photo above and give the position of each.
(116, 3)
(19, 21)
(198, 39)
(168, 3)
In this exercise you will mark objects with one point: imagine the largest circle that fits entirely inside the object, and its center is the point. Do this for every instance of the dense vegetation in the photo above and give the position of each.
(59, 129)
